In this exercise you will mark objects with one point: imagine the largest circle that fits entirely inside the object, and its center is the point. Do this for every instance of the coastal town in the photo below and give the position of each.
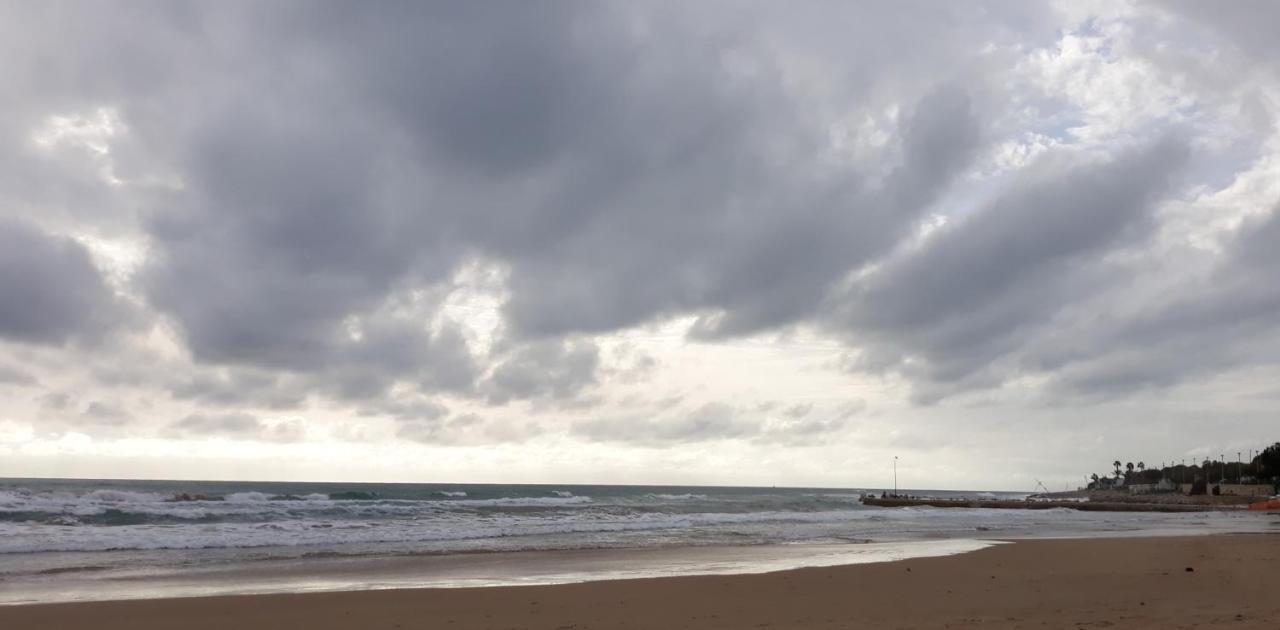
(1176, 486)
(1251, 477)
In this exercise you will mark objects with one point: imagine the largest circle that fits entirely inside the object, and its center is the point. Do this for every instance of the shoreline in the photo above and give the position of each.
(353, 573)
(337, 572)
(1129, 582)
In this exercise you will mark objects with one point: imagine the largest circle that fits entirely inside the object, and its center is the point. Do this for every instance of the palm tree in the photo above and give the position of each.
(1117, 465)
(1095, 478)
(1141, 466)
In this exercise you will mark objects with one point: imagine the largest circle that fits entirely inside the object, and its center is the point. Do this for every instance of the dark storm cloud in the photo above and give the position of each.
(623, 176)
(731, 232)
(943, 313)
(1229, 320)
(338, 164)
(50, 290)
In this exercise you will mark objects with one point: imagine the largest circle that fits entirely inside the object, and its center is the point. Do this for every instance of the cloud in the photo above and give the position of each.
(407, 409)
(712, 421)
(630, 365)
(465, 429)
(663, 424)
(10, 375)
(237, 426)
(106, 413)
(1004, 203)
(50, 290)
(231, 423)
(1244, 27)
(1225, 322)
(55, 401)
(946, 312)
(553, 370)
(579, 151)
(235, 388)
(754, 243)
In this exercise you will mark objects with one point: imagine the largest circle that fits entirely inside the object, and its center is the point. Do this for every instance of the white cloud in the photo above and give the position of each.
(558, 247)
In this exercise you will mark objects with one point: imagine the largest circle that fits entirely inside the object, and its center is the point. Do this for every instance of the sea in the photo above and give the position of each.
(79, 539)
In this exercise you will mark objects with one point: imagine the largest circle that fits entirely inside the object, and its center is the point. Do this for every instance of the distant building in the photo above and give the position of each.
(1164, 485)
(1107, 483)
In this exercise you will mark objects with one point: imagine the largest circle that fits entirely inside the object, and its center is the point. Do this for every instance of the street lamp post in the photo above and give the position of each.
(895, 475)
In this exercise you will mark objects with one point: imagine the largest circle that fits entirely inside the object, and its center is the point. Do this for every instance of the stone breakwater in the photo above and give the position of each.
(1087, 506)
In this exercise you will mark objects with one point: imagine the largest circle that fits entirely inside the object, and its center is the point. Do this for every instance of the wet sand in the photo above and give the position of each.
(1097, 583)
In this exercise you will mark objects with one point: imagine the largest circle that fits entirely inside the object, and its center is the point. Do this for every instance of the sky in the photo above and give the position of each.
(732, 243)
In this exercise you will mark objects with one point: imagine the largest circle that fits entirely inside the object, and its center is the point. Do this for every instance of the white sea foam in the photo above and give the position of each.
(248, 497)
(58, 519)
(678, 497)
(565, 500)
(121, 496)
(587, 528)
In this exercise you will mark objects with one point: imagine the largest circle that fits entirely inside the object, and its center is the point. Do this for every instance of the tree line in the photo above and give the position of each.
(1264, 467)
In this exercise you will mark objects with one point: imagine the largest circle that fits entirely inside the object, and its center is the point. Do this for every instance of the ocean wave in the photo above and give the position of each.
(434, 520)
(106, 517)
(70, 509)
(247, 497)
(452, 526)
(353, 495)
(121, 496)
(262, 497)
(557, 501)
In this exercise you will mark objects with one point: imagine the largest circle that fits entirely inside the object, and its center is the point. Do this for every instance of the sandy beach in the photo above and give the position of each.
(1171, 582)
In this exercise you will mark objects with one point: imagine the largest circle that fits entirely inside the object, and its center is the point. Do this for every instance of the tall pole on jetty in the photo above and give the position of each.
(895, 475)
